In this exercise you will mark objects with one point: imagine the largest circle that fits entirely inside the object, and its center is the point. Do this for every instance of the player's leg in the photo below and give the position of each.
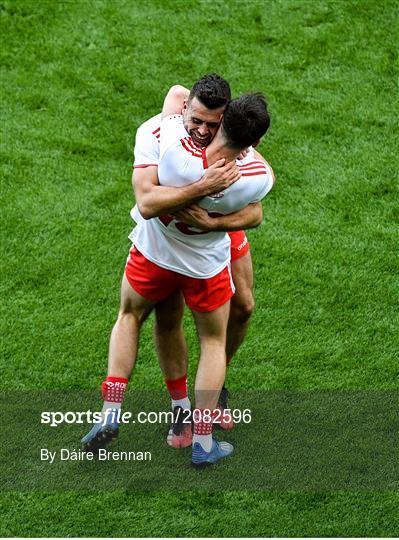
(173, 358)
(140, 290)
(242, 303)
(241, 309)
(169, 337)
(122, 356)
(209, 299)
(211, 328)
(143, 285)
(125, 333)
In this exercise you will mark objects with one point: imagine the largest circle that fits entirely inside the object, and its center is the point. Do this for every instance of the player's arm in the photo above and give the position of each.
(247, 218)
(239, 207)
(174, 100)
(155, 200)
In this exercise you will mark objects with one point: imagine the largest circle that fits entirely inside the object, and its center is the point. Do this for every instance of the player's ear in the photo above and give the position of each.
(184, 104)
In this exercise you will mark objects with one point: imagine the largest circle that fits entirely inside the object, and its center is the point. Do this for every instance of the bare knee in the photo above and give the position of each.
(242, 307)
(133, 307)
(130, 313)
(129, 317)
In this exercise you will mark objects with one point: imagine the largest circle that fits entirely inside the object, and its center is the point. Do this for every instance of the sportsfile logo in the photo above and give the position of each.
(55, 418)
(115, 415)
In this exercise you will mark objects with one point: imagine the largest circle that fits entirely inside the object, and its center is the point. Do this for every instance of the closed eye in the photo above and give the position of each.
(199, 122)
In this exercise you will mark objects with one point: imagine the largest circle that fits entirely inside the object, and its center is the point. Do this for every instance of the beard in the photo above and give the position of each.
(198, 140)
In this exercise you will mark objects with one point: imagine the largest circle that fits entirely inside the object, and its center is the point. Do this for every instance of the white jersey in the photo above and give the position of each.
(174, 245)
(146, 151)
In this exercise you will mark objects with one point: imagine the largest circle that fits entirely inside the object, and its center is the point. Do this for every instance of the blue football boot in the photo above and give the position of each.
(101, 433)
(201, 458)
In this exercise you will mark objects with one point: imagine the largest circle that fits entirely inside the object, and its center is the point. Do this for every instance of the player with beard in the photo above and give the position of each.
(202, 109)
(202, 274)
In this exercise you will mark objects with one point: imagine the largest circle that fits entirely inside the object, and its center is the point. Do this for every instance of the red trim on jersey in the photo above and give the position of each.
(253, 173)
(252, 167)
(252, 163)
(189, 144)
(192, 144)
(146, 165)
(204, 160)
(184, 144)
(156, 130)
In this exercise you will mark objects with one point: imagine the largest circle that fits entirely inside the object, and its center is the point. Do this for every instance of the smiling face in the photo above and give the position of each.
(200, 122)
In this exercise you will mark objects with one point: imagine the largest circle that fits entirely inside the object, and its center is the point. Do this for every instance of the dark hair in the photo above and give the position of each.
(245, 120)
(212, 91)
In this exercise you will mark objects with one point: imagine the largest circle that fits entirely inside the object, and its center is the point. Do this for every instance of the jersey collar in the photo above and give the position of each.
(204, 160)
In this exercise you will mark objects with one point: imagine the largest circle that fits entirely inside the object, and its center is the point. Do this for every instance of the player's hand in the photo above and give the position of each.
(219, 176)
(195, 216)
(243, 154)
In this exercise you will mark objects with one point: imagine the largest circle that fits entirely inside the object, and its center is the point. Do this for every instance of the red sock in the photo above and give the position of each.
(113, 389)
(177, 387)
(203, 421)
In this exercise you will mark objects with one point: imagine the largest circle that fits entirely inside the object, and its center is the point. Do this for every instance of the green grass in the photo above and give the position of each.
(77, 78)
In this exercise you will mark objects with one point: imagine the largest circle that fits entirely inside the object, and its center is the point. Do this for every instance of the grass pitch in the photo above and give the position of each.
(77, 79)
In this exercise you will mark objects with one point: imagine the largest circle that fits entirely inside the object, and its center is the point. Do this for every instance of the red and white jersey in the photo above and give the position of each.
(176, 246)
(182, 163)
(146, 151)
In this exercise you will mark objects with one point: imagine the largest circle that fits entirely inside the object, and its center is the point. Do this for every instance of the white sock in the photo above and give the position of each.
(204, 440)
(184, 403)
(110, 405)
